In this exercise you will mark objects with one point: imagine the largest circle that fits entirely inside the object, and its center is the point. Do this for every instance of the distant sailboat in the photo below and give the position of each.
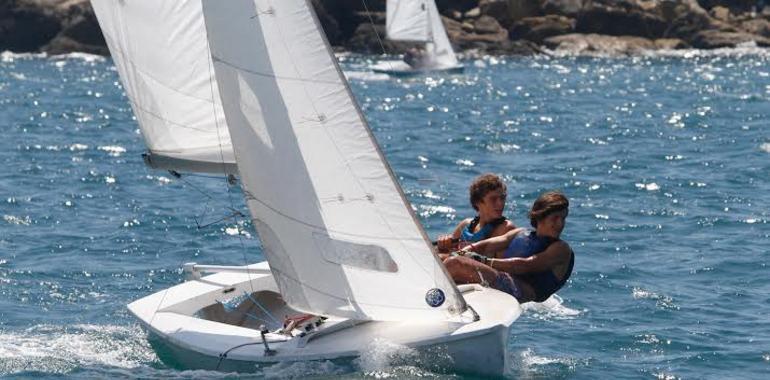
(418, 21)
(348, 263)
(162, 55)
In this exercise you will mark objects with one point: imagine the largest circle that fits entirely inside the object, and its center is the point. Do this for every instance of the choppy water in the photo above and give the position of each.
(666, 161)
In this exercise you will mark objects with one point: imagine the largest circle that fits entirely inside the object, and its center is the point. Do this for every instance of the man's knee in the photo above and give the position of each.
(453, 263)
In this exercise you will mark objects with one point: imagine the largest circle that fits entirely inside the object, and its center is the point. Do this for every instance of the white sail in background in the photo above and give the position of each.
(408, 20)
(161, 53)
(338, 233)
(440, 49)
(419, 21)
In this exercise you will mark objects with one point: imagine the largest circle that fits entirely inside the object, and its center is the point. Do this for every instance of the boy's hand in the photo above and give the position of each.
(444, 243)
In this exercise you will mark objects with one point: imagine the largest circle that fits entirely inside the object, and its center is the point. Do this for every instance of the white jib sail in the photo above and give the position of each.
(161, 53)
(440, 48)
(407, 20)
(337, 231)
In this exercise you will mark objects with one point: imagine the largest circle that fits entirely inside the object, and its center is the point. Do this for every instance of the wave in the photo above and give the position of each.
(748, 49)
(366, 76)
(9, 56)
(552, 308)
(661, 301)
(61, 350)
(527, 364)
(383, 359)
(86, 57)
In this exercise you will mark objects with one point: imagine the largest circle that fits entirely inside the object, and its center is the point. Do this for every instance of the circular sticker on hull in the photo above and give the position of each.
(435, 297)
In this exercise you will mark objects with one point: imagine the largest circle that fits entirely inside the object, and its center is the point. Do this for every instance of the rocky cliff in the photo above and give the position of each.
(486, 26)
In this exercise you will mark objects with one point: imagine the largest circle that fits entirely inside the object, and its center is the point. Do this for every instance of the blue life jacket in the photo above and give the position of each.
(545, 283)
(484, 233)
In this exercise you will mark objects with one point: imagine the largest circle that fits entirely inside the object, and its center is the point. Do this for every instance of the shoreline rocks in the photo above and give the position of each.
(508, 27)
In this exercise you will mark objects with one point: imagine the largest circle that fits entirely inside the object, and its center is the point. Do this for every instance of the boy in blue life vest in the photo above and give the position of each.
(487, 196)
(529, 265)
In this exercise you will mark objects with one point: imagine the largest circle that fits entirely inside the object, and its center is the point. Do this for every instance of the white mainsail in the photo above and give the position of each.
(336, 229)
(407, 20)
(161, 53)
(419, 21)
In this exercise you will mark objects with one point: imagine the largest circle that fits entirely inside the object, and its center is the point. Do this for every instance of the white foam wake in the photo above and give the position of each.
(366, 76)
(9, 56)
(86, 57)
(527, 364)
(552, 308)
(58, 349)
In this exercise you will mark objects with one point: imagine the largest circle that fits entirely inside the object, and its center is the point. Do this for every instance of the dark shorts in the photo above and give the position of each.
(505, 283)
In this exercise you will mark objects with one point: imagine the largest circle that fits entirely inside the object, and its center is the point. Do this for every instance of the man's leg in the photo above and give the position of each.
(465, 270)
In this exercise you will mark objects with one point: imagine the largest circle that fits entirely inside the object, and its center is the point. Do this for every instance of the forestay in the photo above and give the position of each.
(161, 53)
(336, 229)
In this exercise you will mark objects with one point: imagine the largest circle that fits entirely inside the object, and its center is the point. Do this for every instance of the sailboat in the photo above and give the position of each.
(418, 21)
(348, 263)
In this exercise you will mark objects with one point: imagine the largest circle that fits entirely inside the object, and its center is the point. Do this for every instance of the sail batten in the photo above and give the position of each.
(335, 227)
(161, 54)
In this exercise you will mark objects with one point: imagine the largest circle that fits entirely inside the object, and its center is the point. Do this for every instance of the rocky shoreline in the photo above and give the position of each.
(506, 27)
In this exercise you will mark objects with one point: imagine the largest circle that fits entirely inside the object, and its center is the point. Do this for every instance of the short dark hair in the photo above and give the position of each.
(482, 185)
(547, 204)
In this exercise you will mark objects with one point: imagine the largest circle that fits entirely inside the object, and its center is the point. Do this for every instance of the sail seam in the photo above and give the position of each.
(144, 110)
(138, 69)
(251, 197)
(323, 118)
(258, 73)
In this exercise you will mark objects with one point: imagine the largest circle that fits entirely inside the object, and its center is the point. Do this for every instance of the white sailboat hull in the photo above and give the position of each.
(176, 321)
(401, 69)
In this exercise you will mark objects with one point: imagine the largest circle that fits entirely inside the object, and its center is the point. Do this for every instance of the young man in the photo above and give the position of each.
(534, 264)
(487, 196)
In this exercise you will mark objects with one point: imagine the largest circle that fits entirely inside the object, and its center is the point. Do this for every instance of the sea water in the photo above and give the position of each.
(665, 159)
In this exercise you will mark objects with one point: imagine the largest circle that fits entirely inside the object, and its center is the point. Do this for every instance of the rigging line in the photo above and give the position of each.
(266, 75)
(195, 218)
(223, 355)
(264, 310)
(212, 73)
(202, 176)
(222, 156)
(379, 40)
(371, 21)
(188, 183)
(234, 215)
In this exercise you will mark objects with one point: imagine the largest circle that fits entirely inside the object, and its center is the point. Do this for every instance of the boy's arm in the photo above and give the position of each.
(445, 243)
(459, 229)
(495, 244)
(556, 254)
